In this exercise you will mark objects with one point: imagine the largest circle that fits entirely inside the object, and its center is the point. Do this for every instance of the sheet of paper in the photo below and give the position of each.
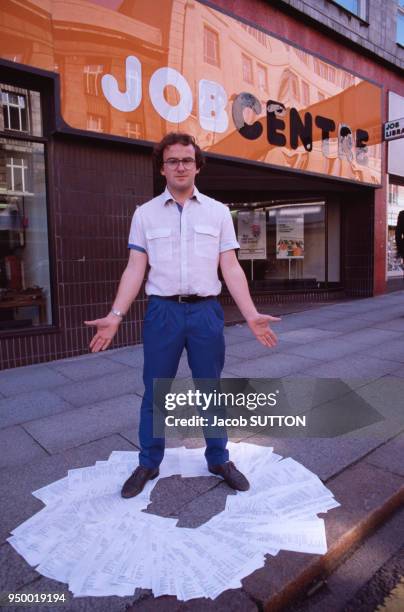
(98, 543)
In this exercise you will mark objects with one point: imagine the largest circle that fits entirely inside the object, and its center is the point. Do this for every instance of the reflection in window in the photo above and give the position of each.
(247, 69)
(289, 87)
(14, 111)
(262, 75)
(95, 123)
(211, 46)
(134, 130)
(305, 93)
(92, 79)
(17, 170)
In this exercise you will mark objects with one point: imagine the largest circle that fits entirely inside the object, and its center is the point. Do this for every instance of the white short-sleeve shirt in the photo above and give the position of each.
(183, 244)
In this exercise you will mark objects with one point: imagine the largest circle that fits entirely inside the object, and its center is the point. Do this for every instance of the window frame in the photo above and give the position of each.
(362, 13)
(247, 60)
(206, 58)
(45, 89)
(7, 105)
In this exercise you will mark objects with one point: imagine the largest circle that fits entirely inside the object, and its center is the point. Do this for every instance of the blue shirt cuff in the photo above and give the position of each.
(136, 248)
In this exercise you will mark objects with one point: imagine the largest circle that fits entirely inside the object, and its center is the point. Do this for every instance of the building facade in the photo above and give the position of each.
(286, 98)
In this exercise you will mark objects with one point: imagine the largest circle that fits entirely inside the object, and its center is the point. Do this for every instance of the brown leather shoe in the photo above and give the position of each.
(234, 478)
(136, 482)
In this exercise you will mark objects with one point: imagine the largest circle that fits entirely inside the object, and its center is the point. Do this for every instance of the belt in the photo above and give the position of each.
(185, 298)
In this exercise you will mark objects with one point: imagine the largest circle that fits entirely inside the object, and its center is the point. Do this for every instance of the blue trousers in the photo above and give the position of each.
(169, 327)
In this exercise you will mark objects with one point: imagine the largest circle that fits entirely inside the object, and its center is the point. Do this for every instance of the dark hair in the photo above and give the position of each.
(176, 138)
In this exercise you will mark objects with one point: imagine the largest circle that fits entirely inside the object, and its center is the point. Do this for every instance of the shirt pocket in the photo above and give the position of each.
(160, 244)
(206, 241)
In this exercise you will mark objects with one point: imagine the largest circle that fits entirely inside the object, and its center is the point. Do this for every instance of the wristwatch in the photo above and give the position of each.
(117, 313)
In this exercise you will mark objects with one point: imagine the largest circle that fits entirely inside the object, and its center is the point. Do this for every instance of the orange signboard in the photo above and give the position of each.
(130, 70)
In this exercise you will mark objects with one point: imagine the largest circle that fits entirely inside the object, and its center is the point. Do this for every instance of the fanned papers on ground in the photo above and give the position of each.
(101, 544)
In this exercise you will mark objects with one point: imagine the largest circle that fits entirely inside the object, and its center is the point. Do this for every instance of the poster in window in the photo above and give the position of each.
(252, 235)
(289, 236)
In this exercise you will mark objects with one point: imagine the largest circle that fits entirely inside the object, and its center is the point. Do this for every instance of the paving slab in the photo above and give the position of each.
(371, 336)
(69, 429)
(358, 365)
(253, 349)
(229, 601)
(231, 339)
(389, 456)
(73, 604)
(86, 366)
(29, 378)
(326, 457)
(382, 314)
(29, 406)
(17, 483)
(131, 355)
(386, 395)
(395, 324)
(326, 350)
(201, 509)
(14, 571)
(343, 325)
(274, 366)
(18, 447)
(307, 334)
(171, 495)
(125, 381)
(392, 350)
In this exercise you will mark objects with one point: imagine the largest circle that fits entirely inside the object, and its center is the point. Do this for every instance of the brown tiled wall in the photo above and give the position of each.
(357, 244)
(93, 190)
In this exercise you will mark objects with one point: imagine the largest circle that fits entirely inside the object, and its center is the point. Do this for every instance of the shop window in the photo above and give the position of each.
(395, 263)
(400, 22)
(284, 245)
(25, 292)
(211, 46)
(247, 69)
(262, 75)
(92, 79)
(15, 112)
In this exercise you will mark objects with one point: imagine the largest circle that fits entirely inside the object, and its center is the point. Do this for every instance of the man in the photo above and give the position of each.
(184, 236)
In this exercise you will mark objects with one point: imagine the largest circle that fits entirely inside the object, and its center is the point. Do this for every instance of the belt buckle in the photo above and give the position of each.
(180, 298)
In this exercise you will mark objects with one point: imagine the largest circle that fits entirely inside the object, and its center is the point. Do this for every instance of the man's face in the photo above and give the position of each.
(179, 177)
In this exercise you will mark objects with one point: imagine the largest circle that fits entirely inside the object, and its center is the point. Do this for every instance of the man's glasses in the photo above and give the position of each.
(173, 163)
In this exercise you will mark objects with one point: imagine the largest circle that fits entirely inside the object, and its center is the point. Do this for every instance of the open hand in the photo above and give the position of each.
(259, 325)
(106, 330)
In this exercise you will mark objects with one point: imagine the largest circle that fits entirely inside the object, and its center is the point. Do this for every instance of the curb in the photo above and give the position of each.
(320, 568)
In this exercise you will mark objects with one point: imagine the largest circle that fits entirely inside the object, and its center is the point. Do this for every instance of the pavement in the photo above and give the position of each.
(70, 413)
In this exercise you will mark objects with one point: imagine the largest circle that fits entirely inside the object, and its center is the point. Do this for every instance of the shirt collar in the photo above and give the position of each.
(167, 197)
